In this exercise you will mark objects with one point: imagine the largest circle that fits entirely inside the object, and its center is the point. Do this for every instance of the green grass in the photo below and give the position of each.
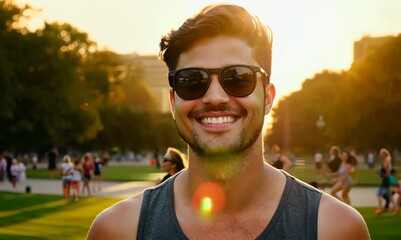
(367, 177)
(34, 216)
(383, 227)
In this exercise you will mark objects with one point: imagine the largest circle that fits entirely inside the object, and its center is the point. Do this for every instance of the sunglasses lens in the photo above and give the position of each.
(191, 83)
(238, 81)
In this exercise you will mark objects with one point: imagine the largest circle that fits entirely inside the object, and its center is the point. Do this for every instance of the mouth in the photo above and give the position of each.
(217, 120)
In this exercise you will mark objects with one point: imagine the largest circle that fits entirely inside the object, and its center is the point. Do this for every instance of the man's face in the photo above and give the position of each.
(217, 122)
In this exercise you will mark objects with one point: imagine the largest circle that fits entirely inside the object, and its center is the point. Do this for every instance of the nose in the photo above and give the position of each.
(215, 93)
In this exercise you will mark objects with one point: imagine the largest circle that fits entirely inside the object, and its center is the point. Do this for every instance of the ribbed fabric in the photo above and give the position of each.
(295, 216)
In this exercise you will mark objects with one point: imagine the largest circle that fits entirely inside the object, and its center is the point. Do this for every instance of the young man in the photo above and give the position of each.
(220, 63)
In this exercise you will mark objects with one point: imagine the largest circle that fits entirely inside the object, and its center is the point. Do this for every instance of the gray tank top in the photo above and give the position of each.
(294, 218)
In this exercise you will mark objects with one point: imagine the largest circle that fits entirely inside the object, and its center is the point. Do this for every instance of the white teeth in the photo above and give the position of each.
(217, 120)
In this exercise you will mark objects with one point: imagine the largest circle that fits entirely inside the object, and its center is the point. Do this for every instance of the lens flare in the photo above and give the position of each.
(206, 206)
(208, 199)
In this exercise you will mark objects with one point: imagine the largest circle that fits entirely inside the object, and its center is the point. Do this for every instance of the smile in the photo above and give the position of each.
(218, 120)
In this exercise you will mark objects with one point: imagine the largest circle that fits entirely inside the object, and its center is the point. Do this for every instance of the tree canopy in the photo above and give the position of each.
(361, 106)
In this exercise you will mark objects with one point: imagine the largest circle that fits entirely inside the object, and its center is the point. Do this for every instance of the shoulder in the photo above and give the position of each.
(340, 221)
(119, 221)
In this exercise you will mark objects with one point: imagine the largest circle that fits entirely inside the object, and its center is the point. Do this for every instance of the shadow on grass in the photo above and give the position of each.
(19, 237)
(16, 208)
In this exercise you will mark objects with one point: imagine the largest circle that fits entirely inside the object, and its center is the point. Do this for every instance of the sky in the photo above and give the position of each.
(309, 35)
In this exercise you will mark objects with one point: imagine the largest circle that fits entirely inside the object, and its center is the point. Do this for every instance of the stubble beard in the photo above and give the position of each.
(224, 161)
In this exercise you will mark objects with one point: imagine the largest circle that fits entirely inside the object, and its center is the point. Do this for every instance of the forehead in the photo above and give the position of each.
(217, 52)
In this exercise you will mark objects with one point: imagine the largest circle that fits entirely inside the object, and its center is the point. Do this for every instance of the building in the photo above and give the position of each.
(156, 76)
(366, 45)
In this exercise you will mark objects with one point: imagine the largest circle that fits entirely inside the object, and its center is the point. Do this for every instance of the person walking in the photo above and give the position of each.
(66, 176)
(318, 158)
(14, 172)
(384, 190)
(97, 174)
(335, 160)
(87, 167)
(52, 158)
(76, 179)
(219, 64)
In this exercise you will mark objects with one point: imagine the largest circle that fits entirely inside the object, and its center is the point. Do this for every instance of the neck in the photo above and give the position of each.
(240, 178)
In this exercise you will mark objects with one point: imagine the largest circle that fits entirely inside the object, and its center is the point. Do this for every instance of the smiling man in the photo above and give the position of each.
(220, 64)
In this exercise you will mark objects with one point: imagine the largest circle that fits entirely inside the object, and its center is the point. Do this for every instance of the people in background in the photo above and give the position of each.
(87, 167)
(346, 177)
(66, 176)
(335, 160)
(279, 160)
(172, 163)
(97, 173)
(76, 179)
(52, 158)
(384, 190)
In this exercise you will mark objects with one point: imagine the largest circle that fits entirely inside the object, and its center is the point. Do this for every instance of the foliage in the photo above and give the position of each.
(299, 112)
(58, 89)
(360, 106)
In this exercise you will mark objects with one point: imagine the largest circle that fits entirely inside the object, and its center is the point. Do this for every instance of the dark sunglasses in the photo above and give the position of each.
(167, 160)
(236, 80)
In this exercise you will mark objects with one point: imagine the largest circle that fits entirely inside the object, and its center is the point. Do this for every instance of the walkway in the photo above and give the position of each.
(360, 196)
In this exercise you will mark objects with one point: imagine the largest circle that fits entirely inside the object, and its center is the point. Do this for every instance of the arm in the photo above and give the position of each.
(337, 220)
(119, 221)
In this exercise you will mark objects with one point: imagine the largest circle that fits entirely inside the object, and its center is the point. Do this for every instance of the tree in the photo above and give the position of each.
(294, 118)
(370, 99)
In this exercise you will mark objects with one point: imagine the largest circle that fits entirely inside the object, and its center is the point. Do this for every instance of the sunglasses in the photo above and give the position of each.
(236, 80)
(167, 160)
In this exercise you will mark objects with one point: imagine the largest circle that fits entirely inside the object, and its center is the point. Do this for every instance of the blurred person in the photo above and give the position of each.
(21, 171)
(384, 190)
(219, 64)
(393, 192)
(335, 160)
(318, 161)
(3, 168)
(105, 157)
(76, 179)
(347, 175)
(279, 160)
(34, 161)
(66, 176)
(14, 172)
(87, 167)
(172, 163)
(97, 173)
(370, 160)
(52, 158)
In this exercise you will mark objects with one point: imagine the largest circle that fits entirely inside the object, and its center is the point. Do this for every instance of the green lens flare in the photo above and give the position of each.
(206, 206)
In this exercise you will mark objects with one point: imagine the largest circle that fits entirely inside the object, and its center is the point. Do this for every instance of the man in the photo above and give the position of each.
(220, 62)
(52, 158)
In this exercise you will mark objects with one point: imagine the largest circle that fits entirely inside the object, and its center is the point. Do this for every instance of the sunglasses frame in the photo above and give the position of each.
(173, 74)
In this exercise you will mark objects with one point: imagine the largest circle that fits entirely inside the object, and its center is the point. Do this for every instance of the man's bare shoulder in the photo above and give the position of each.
(119, 221)
(340, 221)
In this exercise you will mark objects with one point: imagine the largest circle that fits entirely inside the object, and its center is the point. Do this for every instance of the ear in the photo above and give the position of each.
(270, 94)
(172, 101)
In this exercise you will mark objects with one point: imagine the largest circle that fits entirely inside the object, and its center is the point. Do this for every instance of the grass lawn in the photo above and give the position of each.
(367, 177)
(35, 216)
